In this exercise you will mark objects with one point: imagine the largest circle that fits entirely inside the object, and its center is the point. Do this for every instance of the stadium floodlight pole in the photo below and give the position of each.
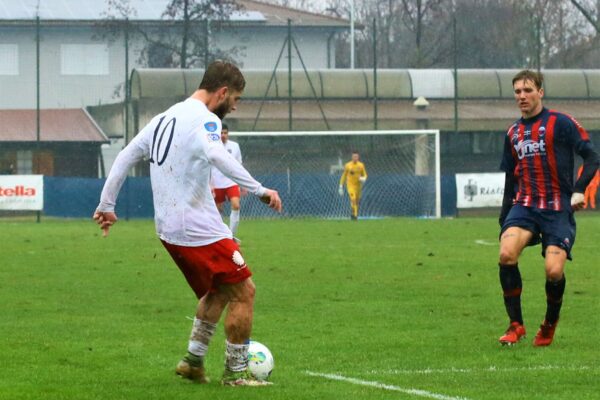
(289, 44)
(127, 90)
(455, 62)
(351, 34)
(37, 95)
(438, 175)
(375, 101)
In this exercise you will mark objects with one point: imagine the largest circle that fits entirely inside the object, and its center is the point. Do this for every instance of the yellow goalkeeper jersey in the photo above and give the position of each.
(353, 171)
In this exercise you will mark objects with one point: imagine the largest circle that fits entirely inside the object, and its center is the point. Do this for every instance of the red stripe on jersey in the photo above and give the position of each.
(582, 132)
(525, 182)
(551, 157)
(538, 169)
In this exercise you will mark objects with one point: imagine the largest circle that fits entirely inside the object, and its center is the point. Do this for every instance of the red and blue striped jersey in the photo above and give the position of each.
(540, 153)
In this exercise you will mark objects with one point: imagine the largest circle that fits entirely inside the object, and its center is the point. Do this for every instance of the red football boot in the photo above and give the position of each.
(545, 335)
(513, 334)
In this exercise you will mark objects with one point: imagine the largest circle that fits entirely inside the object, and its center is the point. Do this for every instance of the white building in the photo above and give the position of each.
(80, 66)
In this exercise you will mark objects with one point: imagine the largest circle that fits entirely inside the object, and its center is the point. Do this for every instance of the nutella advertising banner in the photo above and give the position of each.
(21, 192)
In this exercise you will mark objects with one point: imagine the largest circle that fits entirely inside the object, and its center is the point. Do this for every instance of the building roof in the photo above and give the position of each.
(251, 12)
(485, 100)
(278, 15)
(56, 125)
(359, 83)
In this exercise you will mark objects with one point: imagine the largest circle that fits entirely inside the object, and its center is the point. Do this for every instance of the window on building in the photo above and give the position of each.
(9, 54)
(84, 59)
(24, 162)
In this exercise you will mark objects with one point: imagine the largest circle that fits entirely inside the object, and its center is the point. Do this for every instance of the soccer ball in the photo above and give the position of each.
(260, 360)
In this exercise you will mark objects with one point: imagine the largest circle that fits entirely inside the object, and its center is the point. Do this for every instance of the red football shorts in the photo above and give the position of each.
(207, 267)
(226, 194)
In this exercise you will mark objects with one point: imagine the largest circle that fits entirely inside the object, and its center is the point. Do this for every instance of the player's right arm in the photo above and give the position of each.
(507, 200)
(342, 180)
(508, 166)
(134, 152)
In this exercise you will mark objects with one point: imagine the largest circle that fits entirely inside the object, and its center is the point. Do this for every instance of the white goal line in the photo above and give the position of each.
(384, 386)
(491, 369)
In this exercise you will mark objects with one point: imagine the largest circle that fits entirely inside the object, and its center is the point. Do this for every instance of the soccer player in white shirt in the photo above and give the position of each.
(181, 144)
(223, 187)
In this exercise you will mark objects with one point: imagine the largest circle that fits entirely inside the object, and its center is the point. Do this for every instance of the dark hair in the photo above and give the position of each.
(224, 127)
(528, 75)
(222, 73)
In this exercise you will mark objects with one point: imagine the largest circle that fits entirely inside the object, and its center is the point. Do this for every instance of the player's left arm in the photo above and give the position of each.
(363, 174)
(580, 140)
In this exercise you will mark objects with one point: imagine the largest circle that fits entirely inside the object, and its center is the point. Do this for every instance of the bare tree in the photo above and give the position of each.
(183, 37)
(588, 14)
(417, 15)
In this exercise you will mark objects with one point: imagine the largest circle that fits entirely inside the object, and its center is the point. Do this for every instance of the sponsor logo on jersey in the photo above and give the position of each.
(529, 148)
(213, 137)
(211, 126)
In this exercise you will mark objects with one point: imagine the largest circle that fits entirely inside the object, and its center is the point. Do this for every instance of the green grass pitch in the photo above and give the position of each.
(379, 309)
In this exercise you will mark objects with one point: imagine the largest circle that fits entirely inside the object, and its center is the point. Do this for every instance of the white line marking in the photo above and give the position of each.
(379, 385)
(428, 371)
(485, 242)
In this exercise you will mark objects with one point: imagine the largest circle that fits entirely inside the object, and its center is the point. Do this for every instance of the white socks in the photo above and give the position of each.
(202, 333)
(236, 357)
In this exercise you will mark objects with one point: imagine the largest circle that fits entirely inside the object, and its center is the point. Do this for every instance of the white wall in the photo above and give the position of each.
(263, 47)
(73, 91)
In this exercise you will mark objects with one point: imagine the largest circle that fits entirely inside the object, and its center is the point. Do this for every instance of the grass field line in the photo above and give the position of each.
(428, 371)
(485, 242)
(384, 386)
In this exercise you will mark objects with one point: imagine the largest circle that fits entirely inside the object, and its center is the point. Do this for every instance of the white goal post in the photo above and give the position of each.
(305, 168)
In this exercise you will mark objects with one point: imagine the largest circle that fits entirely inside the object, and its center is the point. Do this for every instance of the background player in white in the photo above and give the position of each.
(223, 187)
(181, 144)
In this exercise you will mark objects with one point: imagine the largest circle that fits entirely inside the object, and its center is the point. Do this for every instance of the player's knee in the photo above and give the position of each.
(554, 272)
(508, 256)
(554, 275)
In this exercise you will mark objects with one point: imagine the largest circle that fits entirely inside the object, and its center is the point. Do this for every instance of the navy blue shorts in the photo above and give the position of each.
(551, 228)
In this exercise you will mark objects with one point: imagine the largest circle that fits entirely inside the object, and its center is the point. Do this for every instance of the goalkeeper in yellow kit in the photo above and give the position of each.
(354, 176)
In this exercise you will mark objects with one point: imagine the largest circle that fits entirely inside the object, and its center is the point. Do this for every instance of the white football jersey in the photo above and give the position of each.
(181, 144)
(219, 180)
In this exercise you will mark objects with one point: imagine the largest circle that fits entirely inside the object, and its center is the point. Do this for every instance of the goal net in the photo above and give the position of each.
(403, 170)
